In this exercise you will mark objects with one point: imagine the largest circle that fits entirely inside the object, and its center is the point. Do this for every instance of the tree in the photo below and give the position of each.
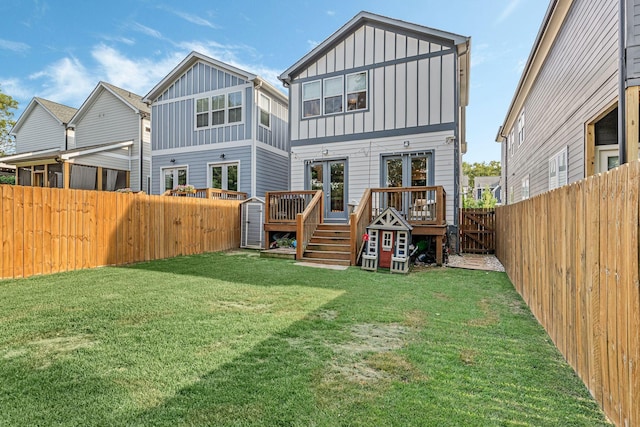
(480, 169)
(7, 104)
(486, 201)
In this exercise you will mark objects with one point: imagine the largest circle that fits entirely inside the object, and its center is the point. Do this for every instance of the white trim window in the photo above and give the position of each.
(224, 176)
(521, 128)
(219, 109)
(525, 188)
(174, 176)
(387, 240)
(311, 92)
(202, 113)
(264, 108)
(234, 107)
(512, 142)
(333, 95)
(357, 88)
(558, 169)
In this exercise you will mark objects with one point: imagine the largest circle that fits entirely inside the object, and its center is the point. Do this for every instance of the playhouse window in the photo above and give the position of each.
(387, 240)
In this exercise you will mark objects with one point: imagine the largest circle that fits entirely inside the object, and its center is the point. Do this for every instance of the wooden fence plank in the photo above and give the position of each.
(573, 254)
(28, 232)
(18, 223)
(38, 234)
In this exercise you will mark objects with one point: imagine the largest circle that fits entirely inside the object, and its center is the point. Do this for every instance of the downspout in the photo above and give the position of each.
(622, 72)
(140, 132)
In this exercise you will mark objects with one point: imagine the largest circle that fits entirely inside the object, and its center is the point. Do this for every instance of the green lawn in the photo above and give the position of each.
(233, 339)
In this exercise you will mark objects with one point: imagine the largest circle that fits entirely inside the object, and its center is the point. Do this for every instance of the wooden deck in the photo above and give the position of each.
(301, 212)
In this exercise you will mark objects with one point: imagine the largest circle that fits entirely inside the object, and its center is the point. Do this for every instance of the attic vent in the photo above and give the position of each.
(147, 129)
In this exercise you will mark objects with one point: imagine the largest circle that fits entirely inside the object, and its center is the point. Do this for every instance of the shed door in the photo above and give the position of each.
(386, 249)
(253, 224)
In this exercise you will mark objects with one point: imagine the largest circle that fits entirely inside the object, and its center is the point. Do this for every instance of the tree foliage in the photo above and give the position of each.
(7, 105)
(480, 169)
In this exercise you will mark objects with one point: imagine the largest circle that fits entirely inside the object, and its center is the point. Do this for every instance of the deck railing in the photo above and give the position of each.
(284, 206)
(307, 222)
(418, 205)
(358, 225)
(209, 193)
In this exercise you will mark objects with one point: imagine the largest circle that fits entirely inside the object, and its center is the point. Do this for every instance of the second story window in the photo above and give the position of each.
(265, 111)
(333, 91)
(217, 107)
(235, 107)
(202, 112)
(218, 110)
(521, 128)
(311, 99)
(357, 91)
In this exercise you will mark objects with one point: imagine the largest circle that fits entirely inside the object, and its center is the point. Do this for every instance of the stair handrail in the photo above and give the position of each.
(307, 222)
(358, 222)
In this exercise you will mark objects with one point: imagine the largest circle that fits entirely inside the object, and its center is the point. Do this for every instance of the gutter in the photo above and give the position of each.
(622, 72)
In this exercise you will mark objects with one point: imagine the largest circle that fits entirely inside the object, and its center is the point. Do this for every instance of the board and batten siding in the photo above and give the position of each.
(272, 171)
(173, 112)
(198, 162)
(40, 132)
(364, 162)
(633, 42)
(411, 84)
(277, 135)
(578, 81)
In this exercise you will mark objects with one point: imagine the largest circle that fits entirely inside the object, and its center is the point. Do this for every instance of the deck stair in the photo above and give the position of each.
(330, 244)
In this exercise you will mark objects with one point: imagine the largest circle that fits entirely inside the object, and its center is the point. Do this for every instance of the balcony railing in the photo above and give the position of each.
(209, 193)
(418, 205)
(284, 206)
(307, 222)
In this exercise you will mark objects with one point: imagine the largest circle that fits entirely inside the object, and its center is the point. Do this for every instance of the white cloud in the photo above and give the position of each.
(194, 19)
(137, 75)
(331, 12)
(146, 30)
(312, 44)
(14, 46)
(65, 81)
(508, 10)
(17, 90)
(119, 39)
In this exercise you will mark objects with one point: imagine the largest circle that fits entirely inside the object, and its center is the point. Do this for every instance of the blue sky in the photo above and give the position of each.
(60, 49)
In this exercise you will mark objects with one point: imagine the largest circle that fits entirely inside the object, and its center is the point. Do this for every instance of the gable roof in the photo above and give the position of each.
(130, 99)
(61, 113)
(390, 219)
(368, 17)
(195, 57)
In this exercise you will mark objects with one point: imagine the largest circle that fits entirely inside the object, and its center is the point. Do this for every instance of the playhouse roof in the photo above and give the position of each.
(390, 219)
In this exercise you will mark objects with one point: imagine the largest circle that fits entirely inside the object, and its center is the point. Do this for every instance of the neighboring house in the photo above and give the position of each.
(378, 104)
(562, 124)
(217, 126)
(481, 183)
(104, 145)
(40, 133)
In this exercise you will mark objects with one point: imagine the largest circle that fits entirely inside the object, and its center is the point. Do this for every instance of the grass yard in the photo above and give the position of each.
(232, 339)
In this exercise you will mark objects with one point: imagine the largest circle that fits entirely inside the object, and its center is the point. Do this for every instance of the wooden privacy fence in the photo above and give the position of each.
(49, 230)
(478, 230)
(573, 256)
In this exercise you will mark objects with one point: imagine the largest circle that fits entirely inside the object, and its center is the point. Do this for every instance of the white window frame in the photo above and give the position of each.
(558, 178)
(225, 173)
(206, 112)
(262, 97)
(386, 240)
(325, 96)
(175, 170)
(218, 110)
(366, 91)
(228, 107)
(521, 133)
(512, 142)
(319, 99)
(525, 188)
(209, 96)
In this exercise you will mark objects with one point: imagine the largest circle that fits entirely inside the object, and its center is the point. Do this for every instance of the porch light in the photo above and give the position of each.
(325, 152)
(406, 144)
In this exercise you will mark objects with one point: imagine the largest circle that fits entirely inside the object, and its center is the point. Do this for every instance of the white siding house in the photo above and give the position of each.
(103, 145)
(376, 104)
(216, 126)
(562, 124)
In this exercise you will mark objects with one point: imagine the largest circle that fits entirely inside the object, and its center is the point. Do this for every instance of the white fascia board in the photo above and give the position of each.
(81, 152)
